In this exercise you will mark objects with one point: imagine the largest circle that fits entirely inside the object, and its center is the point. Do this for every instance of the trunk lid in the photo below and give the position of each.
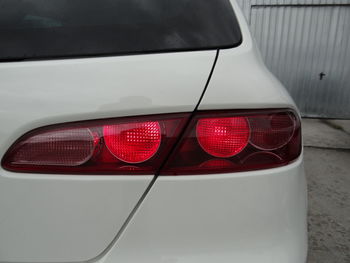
(62, 218)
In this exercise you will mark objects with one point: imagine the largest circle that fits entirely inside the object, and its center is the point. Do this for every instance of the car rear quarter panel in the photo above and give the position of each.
(246, 217)
(241, 79)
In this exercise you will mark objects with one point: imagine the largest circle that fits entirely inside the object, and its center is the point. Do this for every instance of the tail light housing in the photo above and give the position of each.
(123, 146)
(172, 144)
(236, 141)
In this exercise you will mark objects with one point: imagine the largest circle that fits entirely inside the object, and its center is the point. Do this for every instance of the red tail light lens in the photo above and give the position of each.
(211, 142)
(133, 142)
(223, 137)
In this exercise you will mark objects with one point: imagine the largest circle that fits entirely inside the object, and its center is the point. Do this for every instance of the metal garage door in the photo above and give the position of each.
(307, 46)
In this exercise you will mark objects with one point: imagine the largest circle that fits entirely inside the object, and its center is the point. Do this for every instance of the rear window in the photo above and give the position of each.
(35, 29)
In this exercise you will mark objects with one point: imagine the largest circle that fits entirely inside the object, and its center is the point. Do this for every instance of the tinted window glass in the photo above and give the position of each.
(31, 29)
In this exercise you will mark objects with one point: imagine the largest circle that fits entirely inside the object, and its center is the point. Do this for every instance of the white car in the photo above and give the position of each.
(144, 131)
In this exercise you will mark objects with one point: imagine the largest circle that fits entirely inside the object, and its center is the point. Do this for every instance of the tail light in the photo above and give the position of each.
(174, 144)
(136, 145)
(224, 142)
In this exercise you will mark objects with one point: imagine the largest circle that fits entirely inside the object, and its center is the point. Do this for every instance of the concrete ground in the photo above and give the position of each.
(327, 165)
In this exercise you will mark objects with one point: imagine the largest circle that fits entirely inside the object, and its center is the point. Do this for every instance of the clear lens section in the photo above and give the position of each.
(70, 147)
(133, 142)
(272, 131)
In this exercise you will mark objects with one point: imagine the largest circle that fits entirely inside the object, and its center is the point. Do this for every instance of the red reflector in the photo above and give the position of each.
(133, 142)
(70, 147)
(223, 137)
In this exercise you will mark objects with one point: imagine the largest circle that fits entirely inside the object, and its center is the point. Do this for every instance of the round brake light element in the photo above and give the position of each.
(223, 137)
(133, 142)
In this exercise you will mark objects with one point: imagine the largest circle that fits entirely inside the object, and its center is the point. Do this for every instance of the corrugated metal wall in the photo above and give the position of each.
(306, 44)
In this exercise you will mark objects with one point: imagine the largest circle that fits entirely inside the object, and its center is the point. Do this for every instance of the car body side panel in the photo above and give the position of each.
(241, 79)
(244, 217)
(62, 218)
